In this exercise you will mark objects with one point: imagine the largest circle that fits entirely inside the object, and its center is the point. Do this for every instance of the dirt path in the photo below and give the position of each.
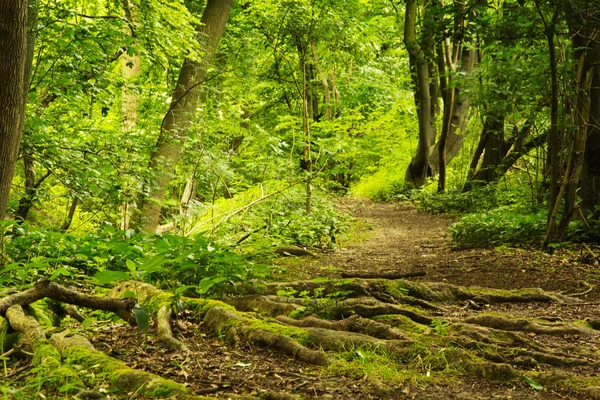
(404, 239)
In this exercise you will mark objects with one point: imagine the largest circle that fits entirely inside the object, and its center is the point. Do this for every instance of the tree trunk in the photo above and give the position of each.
(306, 117)
(70, 214)
(586, 52)
(446, 67)
(416, 173)
(175, 126)
(13, 55)
(130, 70)
(590, 177)
(29, 171)
(493, 147)
(459, 116)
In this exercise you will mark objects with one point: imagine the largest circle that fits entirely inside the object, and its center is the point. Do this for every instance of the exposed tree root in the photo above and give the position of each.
(221, 320)
(353, 324)
(384, 276)
(46, 289)
(523, 325)
(164, 332)
(409, 322)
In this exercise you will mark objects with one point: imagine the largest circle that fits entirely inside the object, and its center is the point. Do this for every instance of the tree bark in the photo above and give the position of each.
(590, 177)
(416, 173)
(13, 55)
(493, 147)
(29, 170)
(459, 115)
(179, 118)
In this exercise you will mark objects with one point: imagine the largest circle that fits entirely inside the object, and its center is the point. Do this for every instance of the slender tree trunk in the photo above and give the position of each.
(306, 117)
(459, 114)
(493, 148)
(29, 170)
(188, 194)
(130, 70)
(416, 174)
(177, 122)
(324, 81)
(13, 55)
(71, 213)
(447, 68)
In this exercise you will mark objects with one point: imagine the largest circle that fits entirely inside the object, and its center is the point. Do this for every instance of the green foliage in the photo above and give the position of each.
(439, 326)
(505, 225)
(476, 200)
(109, 255)
(278, 220)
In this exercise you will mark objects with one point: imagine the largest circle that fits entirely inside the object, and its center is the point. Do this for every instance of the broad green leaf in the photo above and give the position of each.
(142, 317)
(131, 266)
(108, 276)
(205, 285)
(535, 385)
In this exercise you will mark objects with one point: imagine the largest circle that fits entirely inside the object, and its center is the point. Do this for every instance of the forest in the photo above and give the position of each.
(299, 199)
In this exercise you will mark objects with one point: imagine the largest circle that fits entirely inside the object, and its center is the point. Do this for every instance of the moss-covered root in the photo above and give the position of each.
(355, 324)
(221, 321)
(412, 293)
(165, 335)
(77, 350)
(45, 356)
(511, 324)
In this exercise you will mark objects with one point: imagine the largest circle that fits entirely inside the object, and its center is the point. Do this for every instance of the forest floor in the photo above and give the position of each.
(394, 238)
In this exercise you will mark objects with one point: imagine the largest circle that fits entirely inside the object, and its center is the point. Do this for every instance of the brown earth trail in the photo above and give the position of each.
(403, 240)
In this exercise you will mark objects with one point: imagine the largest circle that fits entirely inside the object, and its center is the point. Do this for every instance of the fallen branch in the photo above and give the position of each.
(383, 276)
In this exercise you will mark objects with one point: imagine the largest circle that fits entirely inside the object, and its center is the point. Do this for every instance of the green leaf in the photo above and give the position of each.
(108, 276)
(142, 317)
(535, 385)
(131, 266)
(205, 285)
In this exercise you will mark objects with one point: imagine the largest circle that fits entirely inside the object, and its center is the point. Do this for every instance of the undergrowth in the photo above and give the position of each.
(506, 225)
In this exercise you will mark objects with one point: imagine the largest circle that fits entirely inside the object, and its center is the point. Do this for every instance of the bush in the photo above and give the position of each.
(505, 225)
(477, 200)
(276, 221)
(109, 255)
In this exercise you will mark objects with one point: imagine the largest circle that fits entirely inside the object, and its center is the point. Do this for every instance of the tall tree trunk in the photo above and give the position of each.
(13, 55)
(494, 148)
(307, 115)
(586, 52)
(324, 82)
(590, 177)
(447, 67)
(175, 126)
(416, 173)
(459, 115)
(29, 170)
(130, 70)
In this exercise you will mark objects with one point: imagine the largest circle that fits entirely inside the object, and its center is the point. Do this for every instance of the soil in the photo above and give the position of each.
(397, 239)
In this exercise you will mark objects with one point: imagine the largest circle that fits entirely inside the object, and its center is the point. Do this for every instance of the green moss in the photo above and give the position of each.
(128, 379)
(166, 389)
(46, 355)
(404, 324)
(202, 306)
(298, 334)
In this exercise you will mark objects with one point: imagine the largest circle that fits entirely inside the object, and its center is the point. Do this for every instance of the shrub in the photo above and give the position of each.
(109, 255)
(514, 225)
